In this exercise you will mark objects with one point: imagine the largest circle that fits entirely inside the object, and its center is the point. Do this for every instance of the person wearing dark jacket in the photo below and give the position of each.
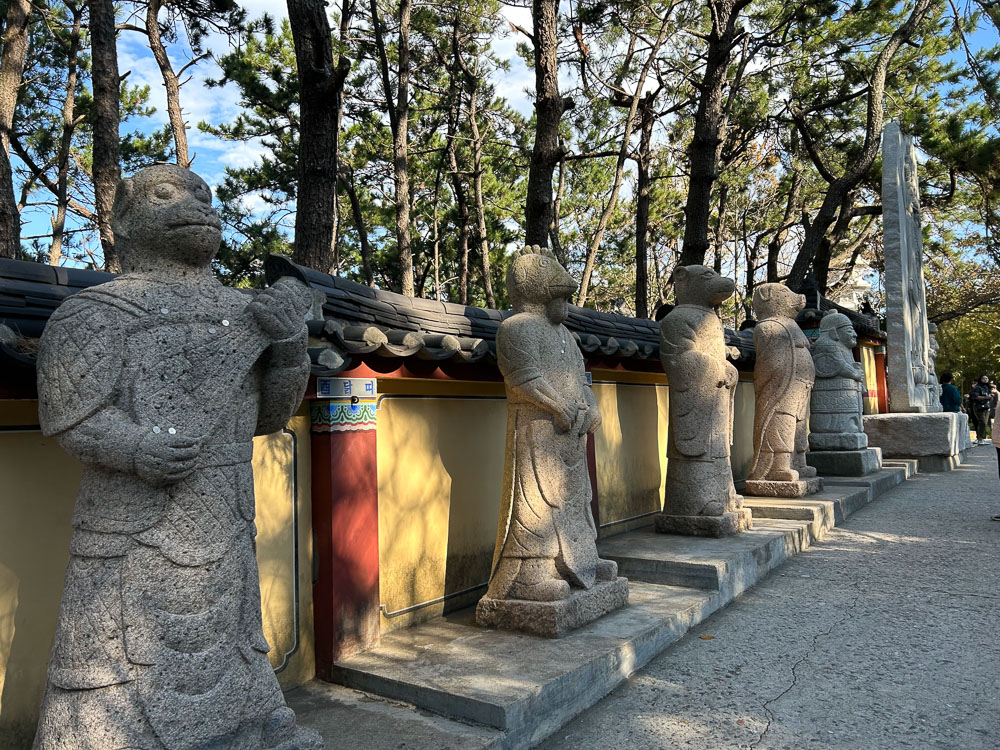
(951, 397)
(980, 402)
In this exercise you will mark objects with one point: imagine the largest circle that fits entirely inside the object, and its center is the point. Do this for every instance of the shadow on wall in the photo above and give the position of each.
(440, 470)
(630, 463)
(36, 505)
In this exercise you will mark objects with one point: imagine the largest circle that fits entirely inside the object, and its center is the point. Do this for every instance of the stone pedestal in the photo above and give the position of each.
(855, 463)
(938, 440)
(553, 619)
(775, 488)
(724, 525)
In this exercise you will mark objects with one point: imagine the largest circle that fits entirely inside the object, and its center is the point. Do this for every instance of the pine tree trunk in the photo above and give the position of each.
(15, 49)
(347, 183)
(319, 83)
(549, 107)
(65, 141)
(642, 213)
(710, 125)
(170, 83)
(106, 85)
(477, 190)
(451, 151)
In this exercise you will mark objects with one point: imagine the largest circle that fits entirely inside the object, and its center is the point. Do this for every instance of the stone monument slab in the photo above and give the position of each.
(910, 375)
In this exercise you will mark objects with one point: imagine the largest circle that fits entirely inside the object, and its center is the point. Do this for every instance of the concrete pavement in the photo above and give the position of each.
(885, 635)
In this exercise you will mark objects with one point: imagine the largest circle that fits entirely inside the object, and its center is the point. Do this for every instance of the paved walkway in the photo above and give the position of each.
(885, 635)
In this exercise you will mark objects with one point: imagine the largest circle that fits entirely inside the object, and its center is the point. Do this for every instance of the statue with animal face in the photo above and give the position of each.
(783, 380)
(546, 540)
(699, 497)
(158, 381)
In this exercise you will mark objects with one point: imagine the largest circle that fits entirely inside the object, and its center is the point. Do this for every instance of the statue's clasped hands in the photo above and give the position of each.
(581, 417)
(162, 459)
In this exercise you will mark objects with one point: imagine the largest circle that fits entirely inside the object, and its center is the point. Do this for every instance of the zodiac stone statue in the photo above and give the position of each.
(783, 378)
(546, 548)
(158, 381)
(837, 441)
(699, 498)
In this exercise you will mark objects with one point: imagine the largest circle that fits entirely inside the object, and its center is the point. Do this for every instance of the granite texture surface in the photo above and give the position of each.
(158, 381)
(699, 496)
(546, 543)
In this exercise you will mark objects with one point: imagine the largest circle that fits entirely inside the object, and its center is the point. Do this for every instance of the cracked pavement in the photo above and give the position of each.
(884, 635)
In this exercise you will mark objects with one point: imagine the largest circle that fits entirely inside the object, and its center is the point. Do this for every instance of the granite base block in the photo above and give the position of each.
(846, 463)
(553, 619)
(714, 526)
(849, 441)
(771, 488)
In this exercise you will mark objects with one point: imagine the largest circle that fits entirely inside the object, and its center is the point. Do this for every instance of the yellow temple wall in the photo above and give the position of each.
(440, 471)
(38, 485)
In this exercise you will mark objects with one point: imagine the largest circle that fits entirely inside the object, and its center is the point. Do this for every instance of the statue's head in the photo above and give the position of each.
(701, 285)
(838, 327)
(536, 282)
(775, 300)
(932, 329)
(163, 218)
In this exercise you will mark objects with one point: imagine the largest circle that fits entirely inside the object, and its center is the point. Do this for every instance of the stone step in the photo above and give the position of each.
(728, 565)
(823, 511)
(509, 691)
(909, 465)
(348, 718)
(877, 483)
(523, 687)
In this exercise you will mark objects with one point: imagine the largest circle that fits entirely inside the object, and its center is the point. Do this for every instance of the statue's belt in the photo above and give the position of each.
(225, 454)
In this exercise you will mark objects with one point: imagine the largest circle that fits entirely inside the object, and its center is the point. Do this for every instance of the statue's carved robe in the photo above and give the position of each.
(159, 642)
(545, 508)
(836, 405)
(783, 379)
(702, 400)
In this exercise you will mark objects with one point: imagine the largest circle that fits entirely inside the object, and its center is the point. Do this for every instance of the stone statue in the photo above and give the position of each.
(836, 405)
(158, 381)
(837, 442)
(783, 378)
(546, 540)
(699, 497)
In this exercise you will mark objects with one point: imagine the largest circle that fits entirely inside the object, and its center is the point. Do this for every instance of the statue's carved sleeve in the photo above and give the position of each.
(829, 362)
(79, 368)
(284, 378)
(520, 362)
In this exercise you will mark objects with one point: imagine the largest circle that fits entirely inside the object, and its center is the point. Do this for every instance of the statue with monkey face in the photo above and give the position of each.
(158, 381)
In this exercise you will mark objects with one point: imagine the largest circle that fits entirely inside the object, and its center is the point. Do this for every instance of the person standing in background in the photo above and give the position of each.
(951, 397)
(980, 402)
